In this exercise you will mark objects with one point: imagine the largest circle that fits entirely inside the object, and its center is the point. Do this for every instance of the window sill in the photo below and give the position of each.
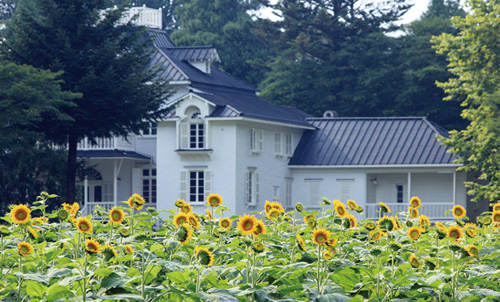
(194, 154)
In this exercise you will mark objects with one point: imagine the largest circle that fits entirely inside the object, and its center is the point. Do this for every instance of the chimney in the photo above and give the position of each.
(330, 114)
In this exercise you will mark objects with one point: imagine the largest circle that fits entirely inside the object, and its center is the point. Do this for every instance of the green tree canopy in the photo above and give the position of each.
(28, 164)
(100, 59)
(474, 58)
(334, 54)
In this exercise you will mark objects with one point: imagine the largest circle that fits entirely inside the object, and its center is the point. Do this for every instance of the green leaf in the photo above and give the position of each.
(179, 277)
(103, 272)
(332, 298)
(156, 247)
(112, 280)
(35, 289)
(32, 276)
(57, 292)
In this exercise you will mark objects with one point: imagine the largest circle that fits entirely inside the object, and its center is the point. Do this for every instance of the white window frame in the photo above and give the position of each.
(149, 189)
(186, 134)
(288, 144)
(186, 182)
(152, 130)
(256, 140)
(251, 187)
(288, 192)
(276, 193)
(278, 144)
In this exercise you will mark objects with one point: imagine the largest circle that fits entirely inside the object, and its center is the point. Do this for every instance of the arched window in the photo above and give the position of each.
(192, 130)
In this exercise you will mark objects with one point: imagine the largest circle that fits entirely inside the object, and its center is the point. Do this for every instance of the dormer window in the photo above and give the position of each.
(192, 130)
(202, 65)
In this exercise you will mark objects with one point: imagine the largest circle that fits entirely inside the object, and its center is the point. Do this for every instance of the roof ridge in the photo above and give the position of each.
(368, 118)
(171, 62)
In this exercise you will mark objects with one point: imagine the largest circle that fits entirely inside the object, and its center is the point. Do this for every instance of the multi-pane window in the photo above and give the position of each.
(278, 147)
(196, 135)
(196, 186)
(149, 185)
(283, 144)
(314, 191)
(151, 130)
(288, 144)
(399, 193)
(256, 140)
(288, 192)
(252, 187)
(346, 189)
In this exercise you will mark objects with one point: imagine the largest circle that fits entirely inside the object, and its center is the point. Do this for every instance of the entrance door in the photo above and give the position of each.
(94, 190)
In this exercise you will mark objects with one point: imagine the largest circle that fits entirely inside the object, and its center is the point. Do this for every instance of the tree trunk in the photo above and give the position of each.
(71, 173)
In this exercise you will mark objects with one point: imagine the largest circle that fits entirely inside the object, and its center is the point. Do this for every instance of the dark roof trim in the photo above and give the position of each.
(112, 154)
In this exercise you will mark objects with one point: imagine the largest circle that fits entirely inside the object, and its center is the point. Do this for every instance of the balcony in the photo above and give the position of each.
(435, 211)
(120, 143)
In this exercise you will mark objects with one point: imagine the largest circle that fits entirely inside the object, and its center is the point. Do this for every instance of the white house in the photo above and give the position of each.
(222, 138)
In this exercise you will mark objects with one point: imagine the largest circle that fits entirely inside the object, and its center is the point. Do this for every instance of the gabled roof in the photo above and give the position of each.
(196, 53)
(371, 141)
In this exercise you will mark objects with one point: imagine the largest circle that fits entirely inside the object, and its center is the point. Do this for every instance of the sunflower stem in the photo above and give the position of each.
(84, 293)
(3, 256)
(132, 221)
(20, 280)
(318, 279)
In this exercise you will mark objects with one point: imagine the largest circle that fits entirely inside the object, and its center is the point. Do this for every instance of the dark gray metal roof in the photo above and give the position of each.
(196, 53)
(232, 103)
(371, 141)
(111, 154)
(160, 38)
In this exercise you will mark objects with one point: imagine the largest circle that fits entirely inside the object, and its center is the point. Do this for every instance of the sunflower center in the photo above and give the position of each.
(204, 258)
(258, 230)
(116, 216)
(341, 211)
(248, 225)
(192, 221)
(182, 220)
(454, 234)
(24, 249)
(225, 224)
(214, 201)
(84, 226)
(321, 238)
(458, 212)
(21, 215)
(414, 234)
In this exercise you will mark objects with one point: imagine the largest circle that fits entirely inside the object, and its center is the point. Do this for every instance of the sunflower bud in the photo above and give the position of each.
(4, 230)
(258, 247)
(124, 232)
(376, 252)
(326, 201)
(299, 207)
(63, 215)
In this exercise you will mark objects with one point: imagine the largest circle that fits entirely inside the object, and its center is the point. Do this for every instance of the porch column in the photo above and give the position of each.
(85, 190)
(115, 182)
(409, 186)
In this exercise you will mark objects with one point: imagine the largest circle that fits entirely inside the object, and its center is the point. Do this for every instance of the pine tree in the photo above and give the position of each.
(99, 58)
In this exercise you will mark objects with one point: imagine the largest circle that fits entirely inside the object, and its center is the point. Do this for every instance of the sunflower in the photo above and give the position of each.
(495, 216)
(66, 206)
(424, 220)
(92, 246)
(415, 202)
(33, 233)
(186, 208)
(413, 212)
(352, 204)
(214, 200)
(321, 236)
(268, 206)
(414, 261)
(458, 211)
(414, 233)
(204, 256)
(184, 233)
(258, 247)
(74, 208)
(429, 263)
(84, 225)
(39, 220)
(20, 214)
(63, 214)
(128, 249)
(455, 232)
(327, 255)
(209, 214)
(326, 200)
(384, 208)
(247, 224)
(496, 207)
(260, 228)
(300, 243)
(136, 201)
(376, 234)
(370, 225)
(225, 223)
(395, 246)
(350, 221)
(471, 226)
(109, 252)
(340, 209)
(398, 223)
(180, 219)
(24, 248)
(332, 242)
(277, 206)
(308, 218)
(299, 207)
(386, 223)
(470, 232)
(116, 215)
(273, 214)
(473, 251)
(442, 231)
(180, 203)
(4, 230)
(124, 232)
(193, 221)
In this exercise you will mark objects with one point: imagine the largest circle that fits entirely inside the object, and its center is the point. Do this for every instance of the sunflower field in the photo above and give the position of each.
(133, 254)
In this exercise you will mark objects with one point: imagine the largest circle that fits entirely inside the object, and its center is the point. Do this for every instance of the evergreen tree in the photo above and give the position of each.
(100, 59)
(28, 164)
(421, 67)
(227, 25)
(334, 54)
(474, 59)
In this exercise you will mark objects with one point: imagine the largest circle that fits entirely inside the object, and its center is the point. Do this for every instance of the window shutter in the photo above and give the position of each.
(260, 140)
(136, 181)
(247, 183)
(184, 135)
(252, 140)
(208, 183)
(256, 186)
(277, 144)
(183, 186)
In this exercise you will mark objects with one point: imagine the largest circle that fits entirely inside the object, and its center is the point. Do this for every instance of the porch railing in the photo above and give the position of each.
(434, 211)
(89, 207)
(112, 143)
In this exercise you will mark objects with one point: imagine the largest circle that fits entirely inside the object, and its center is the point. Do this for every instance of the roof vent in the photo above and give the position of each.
(330, 114)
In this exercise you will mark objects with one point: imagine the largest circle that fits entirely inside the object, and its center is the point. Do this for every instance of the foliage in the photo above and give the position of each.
(474, 57)
(99, 59)
(421, 67)
(142, 258)
(227, 25)
(27, 163)
(334, 54)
